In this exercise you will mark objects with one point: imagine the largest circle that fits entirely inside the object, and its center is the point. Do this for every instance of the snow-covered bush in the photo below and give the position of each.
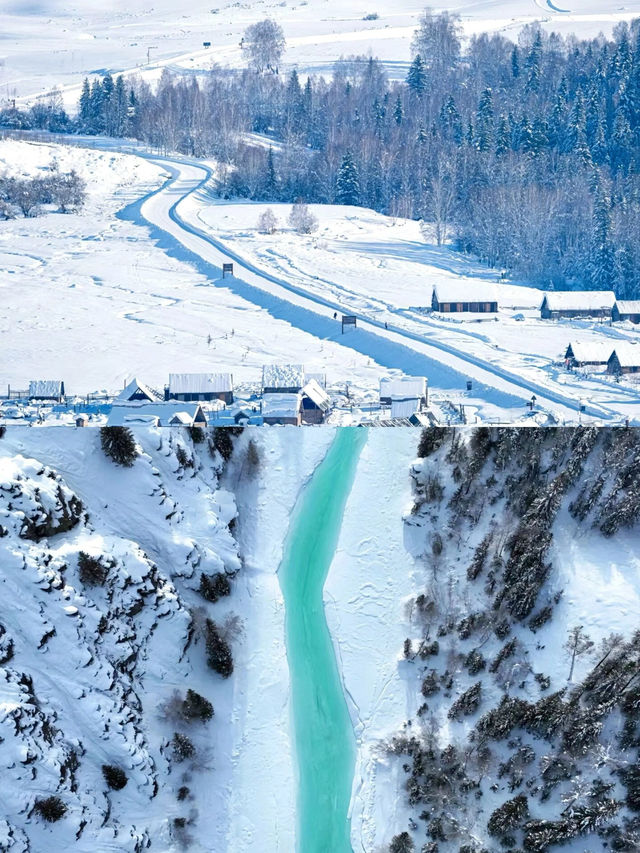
(213, 587)
(267, 222)
(114, 776)
(50, 809)
(219, 657)
(182, 747)
(402, 843)
(196, 707)
(93, 571)
(467, 703)
(509, 815)
(119, 444)
(302, 220)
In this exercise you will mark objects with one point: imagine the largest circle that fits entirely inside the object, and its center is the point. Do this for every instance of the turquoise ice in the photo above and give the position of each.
(325, 746)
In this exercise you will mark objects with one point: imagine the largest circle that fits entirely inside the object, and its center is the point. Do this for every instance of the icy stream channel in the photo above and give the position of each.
(325, 746)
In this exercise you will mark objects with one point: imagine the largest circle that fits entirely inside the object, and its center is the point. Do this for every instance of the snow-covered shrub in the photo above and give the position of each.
(509, 816)
(467, 703)
(119, 445)
(474, 662)
(50, 809)
(213, 587)
(48, 509)
(197, 434)
(114, 776)
(6, 646)
(302, 220)
(196, 707)
(222, 441)
(430, 684)
(267, 222)
(402, 843)
(93, 571)
(219, 657)
(182, 747)
(430, 440)
(184, 459)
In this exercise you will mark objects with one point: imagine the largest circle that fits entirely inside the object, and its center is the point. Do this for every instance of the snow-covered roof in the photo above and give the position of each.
(628, 306)
(628, 354)
(163, 414)
(281, 405)
(134, 387)
(594, 352)
(403, 387)
(579, 300)
(46, 388)
(317, 394)
(282, 376)
(200, 383)
(403, 408)
(466, 291)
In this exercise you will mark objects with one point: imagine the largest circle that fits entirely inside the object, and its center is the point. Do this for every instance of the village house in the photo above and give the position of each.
(316, 403)
(137, 392)
(404, 388)
(577, 303)
(282, 378)
(593, 354)
(46, 389)
(200, 386)
(626, 310)
(282, 409)
(172, 413)
(464, 297)
(625, 359)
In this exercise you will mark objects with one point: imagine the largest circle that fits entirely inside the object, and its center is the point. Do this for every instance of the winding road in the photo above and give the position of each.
(172, 210)
(172, 214)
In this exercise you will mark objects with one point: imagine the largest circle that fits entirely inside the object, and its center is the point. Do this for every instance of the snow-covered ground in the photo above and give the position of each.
(51, 44)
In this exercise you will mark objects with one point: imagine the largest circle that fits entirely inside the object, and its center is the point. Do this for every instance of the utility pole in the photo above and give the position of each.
(149, 49)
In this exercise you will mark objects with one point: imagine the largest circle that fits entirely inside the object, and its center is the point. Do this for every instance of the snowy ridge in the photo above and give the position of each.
(90, 665)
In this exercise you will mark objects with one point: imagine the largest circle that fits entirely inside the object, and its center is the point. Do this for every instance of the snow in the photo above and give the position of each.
(579, 300)
(628, 306)
(200, 383)
(628, 355)
(317, 395)
(402, 387)
(590, 353)
(460, 291)
(163, 414)
(50, 45)
(46, 388)
(282, 376)
(134, 387)
(281, 405)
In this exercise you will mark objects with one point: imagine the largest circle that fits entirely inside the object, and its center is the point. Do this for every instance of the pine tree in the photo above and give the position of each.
(601, 267)
(532, 64)
(348, 182)
(417, 76)
(503, 137)
(269, 188)
(398, 111)
(515, 62)
(484, 121)
(84, 106)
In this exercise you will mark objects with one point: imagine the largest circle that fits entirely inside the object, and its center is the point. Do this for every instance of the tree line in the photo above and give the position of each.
(524, 153)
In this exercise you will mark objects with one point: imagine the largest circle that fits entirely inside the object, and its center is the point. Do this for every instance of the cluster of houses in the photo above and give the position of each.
(454, 298)
(289, 396)
(617, 358)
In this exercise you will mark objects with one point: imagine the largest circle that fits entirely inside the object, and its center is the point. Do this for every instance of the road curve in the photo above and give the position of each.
(166, 209)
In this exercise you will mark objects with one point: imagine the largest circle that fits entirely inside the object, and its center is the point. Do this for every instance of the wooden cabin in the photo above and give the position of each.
(46, 389)
(559, 304)
(282, 409)
(626, 310)
(190, 387)
(588, 355)
(137, 392)
(400, 388)
(282, 378)
(465, 298)
(624, 360)
(316, 403)
(169, 413)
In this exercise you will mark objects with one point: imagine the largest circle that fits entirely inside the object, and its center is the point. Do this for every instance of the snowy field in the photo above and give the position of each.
(52, 44)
